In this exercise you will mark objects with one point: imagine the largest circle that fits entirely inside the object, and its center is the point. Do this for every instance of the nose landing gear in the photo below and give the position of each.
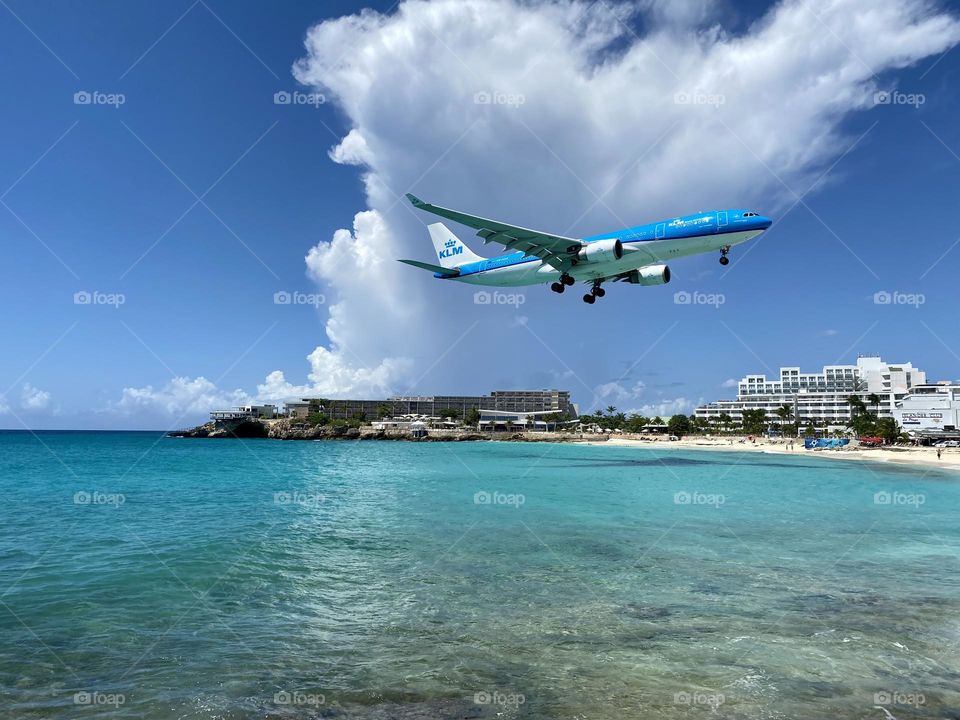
(724, 260)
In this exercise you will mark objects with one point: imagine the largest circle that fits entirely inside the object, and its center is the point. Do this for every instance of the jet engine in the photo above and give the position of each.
(601, 251)
(649, 275)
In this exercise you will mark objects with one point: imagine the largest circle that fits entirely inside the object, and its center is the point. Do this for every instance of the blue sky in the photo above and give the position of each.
(104, 199)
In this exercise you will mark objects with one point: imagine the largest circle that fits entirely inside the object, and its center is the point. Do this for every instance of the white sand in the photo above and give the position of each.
(927, 456)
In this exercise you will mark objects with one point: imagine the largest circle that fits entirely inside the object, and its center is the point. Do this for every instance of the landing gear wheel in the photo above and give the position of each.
(724, 260)
(599, 291)
(589, 299)
(557, 287)
(567, 280)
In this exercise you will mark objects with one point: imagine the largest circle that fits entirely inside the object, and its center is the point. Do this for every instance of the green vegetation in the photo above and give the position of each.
(754, 421)
(679, 425)
(866, 423)
(472, 417)
(318, 419)
(450, 414)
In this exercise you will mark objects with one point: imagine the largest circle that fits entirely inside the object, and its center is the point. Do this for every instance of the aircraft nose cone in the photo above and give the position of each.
(764, 222)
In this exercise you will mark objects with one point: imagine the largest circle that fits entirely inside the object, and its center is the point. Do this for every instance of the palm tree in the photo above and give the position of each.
(784, 412)
(857, 405)
(874, 400)
(725, 421)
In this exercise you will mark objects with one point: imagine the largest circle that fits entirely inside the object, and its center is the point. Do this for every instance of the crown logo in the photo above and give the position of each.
(450, 243)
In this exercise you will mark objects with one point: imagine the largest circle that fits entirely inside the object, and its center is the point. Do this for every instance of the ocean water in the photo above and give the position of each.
(144, 577)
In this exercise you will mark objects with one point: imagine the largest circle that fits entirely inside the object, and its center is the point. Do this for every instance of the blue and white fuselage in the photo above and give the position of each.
(637, 255)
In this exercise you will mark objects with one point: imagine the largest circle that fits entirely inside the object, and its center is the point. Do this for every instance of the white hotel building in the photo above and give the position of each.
(820, 397)
(930, 411)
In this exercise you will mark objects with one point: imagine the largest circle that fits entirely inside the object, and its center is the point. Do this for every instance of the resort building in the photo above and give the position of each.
(247, 412)
(515, 401)
(930, 411)
(820, 397)
(493, 420)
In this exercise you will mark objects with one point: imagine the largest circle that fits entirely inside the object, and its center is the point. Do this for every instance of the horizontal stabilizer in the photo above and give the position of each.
(447, 272)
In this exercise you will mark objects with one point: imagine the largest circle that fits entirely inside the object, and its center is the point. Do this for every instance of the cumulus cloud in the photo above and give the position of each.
(32, 398)
(667, 407)
(616, 392)
(729, 383)
(568, 115)
(582, 124)
(179, 397)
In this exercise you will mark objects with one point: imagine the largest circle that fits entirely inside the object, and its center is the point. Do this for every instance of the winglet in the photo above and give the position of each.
(415, 201)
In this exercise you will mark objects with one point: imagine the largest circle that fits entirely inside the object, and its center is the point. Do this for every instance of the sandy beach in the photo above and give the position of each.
(924, 456)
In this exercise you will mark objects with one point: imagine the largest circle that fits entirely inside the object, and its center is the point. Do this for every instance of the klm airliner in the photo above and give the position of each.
(636, 255)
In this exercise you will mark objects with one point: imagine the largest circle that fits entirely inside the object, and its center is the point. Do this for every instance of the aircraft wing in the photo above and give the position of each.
(555, 250)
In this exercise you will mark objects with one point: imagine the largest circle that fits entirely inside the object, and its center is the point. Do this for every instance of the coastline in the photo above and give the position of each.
(925, 457)
(920, 456)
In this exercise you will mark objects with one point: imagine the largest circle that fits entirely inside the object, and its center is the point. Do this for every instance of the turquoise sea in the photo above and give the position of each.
(144, 577)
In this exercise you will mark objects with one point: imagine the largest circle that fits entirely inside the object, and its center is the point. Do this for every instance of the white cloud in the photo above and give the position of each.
(180, 397)
(603, 139)
(599, 115)
(667, 407)
(615, 392)
(32, 398)
(729, 383)
(352, 150)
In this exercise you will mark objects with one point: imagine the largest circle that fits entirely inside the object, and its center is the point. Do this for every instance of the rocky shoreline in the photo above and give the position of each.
(285, 430)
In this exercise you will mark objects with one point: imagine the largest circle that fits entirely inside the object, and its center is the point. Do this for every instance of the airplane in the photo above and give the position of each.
(636, 255)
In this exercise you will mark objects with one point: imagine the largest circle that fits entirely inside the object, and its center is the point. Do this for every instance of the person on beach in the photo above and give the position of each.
(938, 453)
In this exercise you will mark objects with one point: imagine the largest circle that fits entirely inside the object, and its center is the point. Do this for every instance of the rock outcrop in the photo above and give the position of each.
(285, 429)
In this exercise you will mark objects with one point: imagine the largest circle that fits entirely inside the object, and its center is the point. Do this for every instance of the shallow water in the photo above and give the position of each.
(263, 579)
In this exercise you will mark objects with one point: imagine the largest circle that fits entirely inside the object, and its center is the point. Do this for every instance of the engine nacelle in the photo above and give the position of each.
(601, 251)
(650, 275)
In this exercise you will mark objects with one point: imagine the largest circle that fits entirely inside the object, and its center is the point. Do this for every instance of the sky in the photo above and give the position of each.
(201, 202)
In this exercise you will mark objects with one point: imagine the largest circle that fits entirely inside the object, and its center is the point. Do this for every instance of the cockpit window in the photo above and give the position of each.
(750, 214)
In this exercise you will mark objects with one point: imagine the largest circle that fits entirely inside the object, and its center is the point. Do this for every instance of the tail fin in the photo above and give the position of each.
(450, 251)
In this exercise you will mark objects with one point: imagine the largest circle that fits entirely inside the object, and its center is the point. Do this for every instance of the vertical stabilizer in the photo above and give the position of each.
(451, 252)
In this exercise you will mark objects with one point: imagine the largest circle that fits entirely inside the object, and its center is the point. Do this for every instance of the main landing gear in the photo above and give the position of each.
(597, 291)
(724, 260)
(565, 280)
